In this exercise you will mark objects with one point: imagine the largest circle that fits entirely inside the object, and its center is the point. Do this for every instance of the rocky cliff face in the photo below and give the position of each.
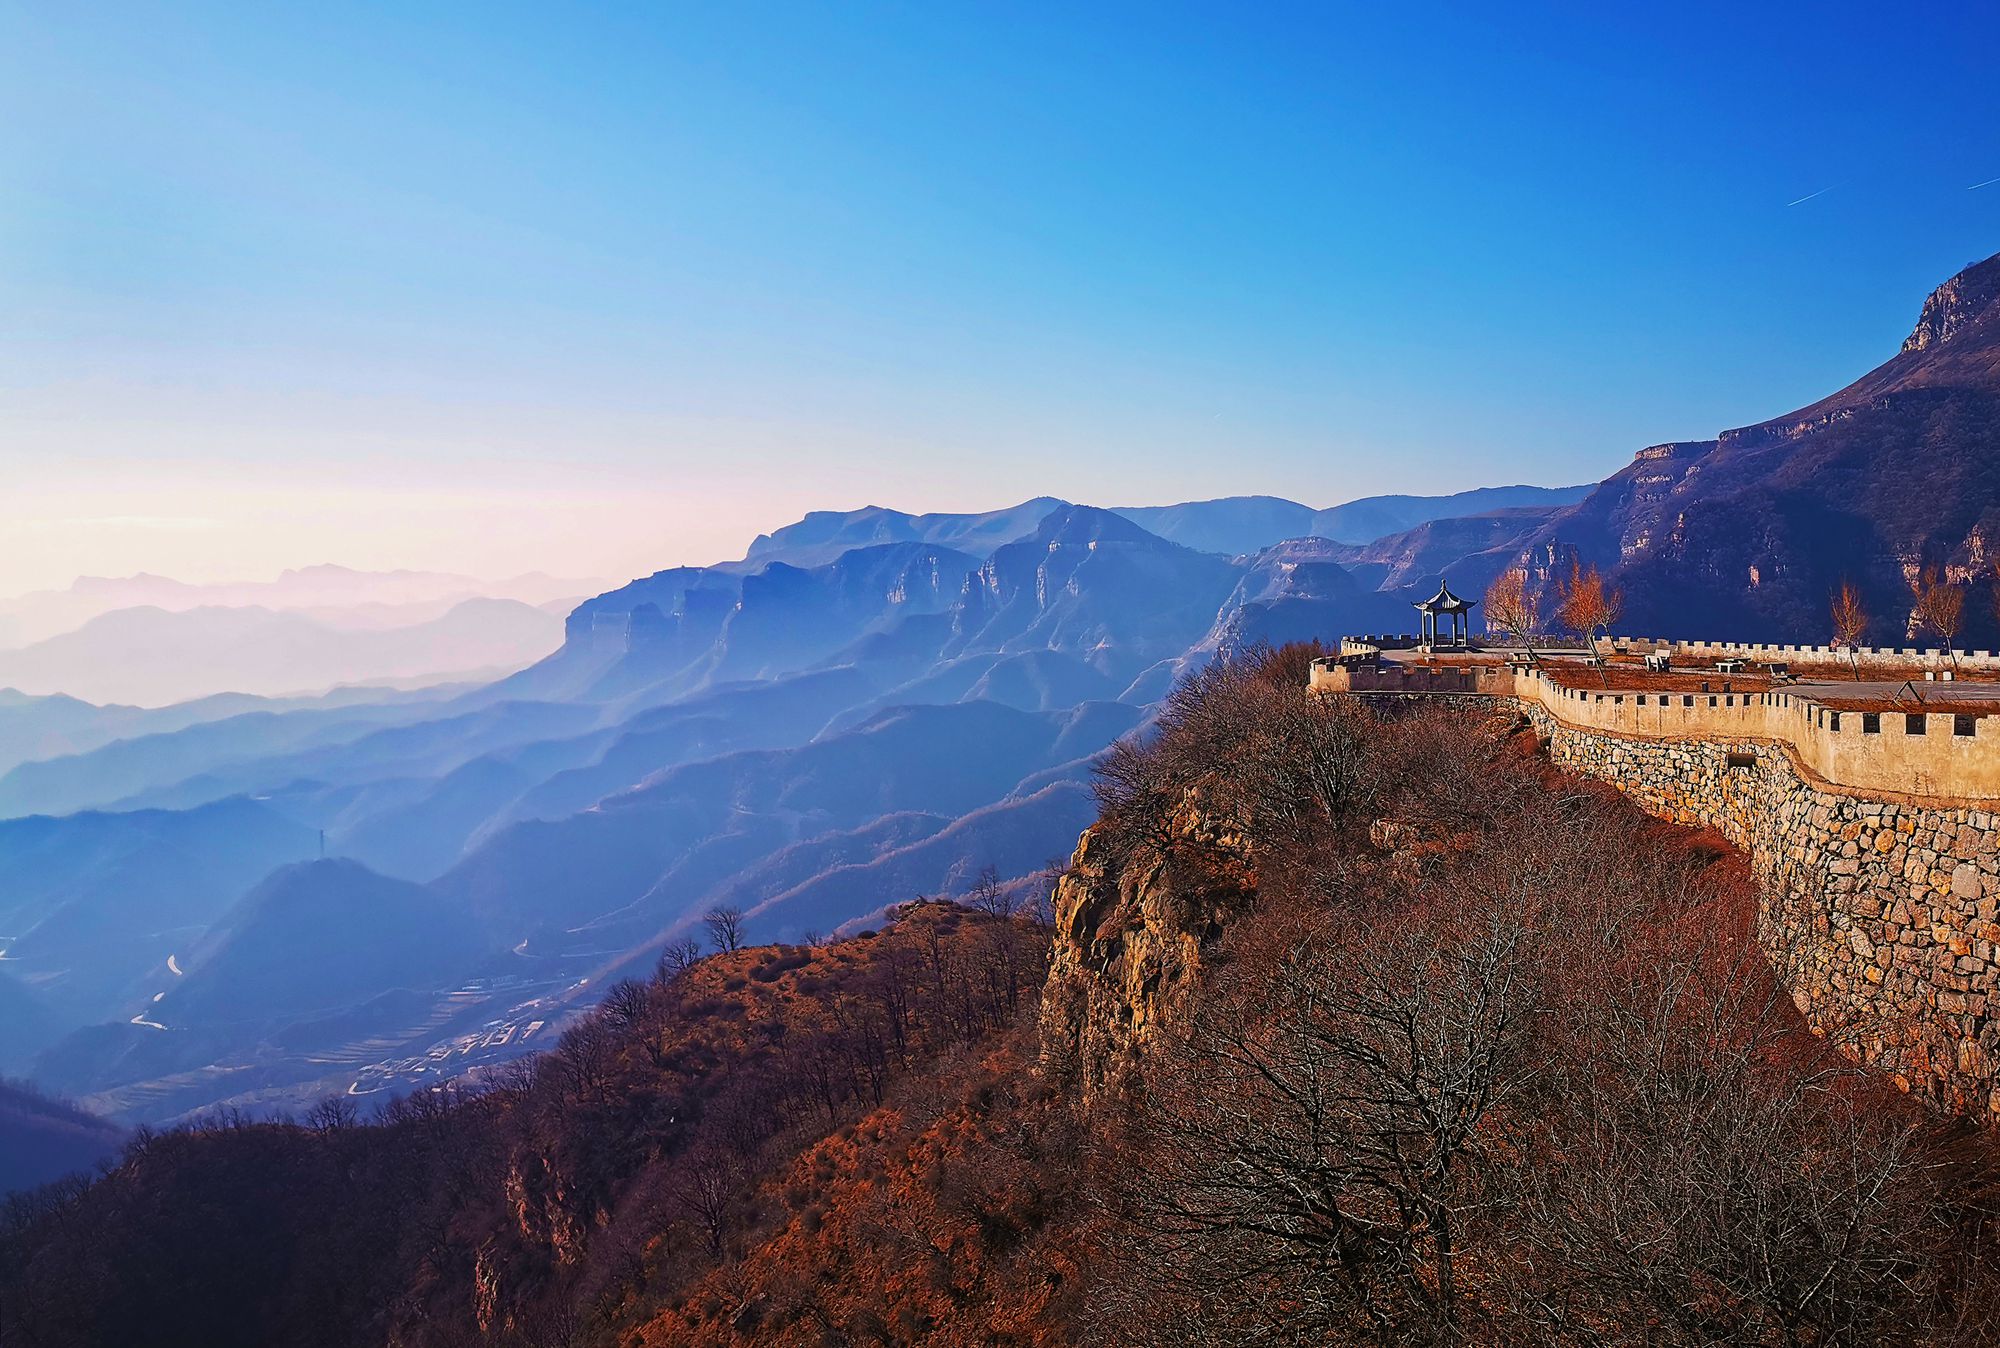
(1956, 305)
(1132, 927)
(1747, 535)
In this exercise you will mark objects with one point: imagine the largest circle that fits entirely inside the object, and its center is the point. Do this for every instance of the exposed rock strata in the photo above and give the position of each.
(1131, 931)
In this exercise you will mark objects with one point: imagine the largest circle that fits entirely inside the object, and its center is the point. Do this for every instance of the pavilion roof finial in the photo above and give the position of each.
(1444, 601)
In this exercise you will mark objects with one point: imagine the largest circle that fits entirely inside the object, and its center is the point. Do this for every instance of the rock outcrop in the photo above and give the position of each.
(1956, 305)
(1133, 924)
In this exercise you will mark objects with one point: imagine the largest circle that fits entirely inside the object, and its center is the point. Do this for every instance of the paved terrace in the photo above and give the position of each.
(1910, 731)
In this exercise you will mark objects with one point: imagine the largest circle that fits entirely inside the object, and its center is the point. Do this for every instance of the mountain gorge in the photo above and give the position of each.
(1238, 1081)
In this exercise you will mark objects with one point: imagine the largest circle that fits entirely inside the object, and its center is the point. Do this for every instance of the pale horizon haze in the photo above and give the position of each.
(595, 294)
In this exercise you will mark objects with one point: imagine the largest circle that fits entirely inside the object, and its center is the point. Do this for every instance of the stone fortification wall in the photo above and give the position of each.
(1877, 849)
(1882, 916)
(1884, 754)
(1867, 658)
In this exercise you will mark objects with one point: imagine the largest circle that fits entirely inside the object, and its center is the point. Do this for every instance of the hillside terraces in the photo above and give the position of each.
(1873, 835)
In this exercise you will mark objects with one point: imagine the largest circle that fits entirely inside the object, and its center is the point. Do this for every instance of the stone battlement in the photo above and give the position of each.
(1875, 838)
(1945, 756)
(1864, 657)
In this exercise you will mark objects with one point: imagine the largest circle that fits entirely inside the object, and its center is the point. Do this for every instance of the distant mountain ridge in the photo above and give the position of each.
(326, 588)
(693, 725)
(1229, 525)
(156, 657)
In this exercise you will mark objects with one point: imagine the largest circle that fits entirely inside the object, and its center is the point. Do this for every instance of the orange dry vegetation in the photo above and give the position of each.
(928, 1221)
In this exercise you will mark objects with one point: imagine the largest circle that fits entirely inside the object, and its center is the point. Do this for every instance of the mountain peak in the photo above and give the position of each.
(1078, 524)
(1956, 305)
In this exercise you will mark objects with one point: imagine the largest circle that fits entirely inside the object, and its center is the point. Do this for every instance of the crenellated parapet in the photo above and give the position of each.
(1875, 837)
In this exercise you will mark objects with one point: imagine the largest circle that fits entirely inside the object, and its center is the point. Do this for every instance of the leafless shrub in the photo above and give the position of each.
(725, 927)
(1315, 1143)
(676, 959)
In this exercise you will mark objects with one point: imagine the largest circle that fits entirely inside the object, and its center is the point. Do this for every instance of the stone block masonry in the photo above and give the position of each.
(1877, 853)
(1882, 916)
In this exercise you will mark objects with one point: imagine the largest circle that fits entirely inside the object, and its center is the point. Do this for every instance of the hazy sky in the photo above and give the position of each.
(505, 288)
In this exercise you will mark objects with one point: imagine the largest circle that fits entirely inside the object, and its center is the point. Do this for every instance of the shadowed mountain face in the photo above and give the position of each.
(318, 936)
(1747, 536)
(43, 1139)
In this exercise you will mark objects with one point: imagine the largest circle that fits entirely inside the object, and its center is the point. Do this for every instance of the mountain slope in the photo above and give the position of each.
(1093, 584)
(1372, 517)
(320, 935)
(1747, 535)
(43, 1139)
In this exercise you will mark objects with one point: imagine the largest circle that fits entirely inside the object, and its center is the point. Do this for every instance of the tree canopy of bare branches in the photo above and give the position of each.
(1511, 606)
(1850, 622)
(1940, 606)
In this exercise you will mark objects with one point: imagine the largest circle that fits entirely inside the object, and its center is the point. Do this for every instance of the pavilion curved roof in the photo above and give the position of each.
(1444, 601)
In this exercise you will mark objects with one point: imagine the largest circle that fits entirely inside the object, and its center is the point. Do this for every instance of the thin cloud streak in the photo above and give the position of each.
(1808, 197)
(1988, 183)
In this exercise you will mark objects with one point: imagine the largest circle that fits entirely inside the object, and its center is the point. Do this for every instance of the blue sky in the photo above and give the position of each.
(600, 290)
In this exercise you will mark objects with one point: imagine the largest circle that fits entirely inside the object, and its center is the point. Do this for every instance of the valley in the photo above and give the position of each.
(369, 893)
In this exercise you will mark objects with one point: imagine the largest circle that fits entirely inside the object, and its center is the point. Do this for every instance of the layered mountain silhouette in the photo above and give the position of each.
(154, 656)
(869, 706)
(338, 595)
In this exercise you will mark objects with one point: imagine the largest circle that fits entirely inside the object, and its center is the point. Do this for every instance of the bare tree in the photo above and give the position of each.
(1510, 606)
(333, 1114)
(1850, 622)
(989, 896)
(1717, 1180)
(1041, 905)
(725, 927)
(627, 1003)
(1940, 606)
(586, 1056)
(1315, 1143)
(1585, 606)
(678, 957)
(706, 1180)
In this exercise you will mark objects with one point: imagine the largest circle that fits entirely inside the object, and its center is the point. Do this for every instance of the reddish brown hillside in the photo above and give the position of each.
(593, 1186)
